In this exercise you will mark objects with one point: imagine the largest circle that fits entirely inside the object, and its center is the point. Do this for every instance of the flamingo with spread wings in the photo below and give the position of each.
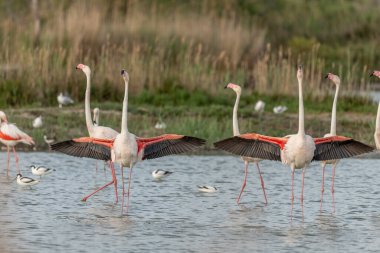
(296, 150)
(236, 132)
(127, 149)
(10, 136)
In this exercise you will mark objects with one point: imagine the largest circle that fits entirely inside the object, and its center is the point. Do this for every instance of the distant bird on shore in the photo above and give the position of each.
(10, 136)
(160, 125)
(40, 170)
(236, 132)
(158, 174)
(26, 181)
(37, 122)
(259, 106)
(207, 188)
(48, 141)
(64, 100)
(377, 127)
(279, 109)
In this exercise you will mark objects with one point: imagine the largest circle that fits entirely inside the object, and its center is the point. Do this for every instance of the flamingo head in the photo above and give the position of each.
(300, 72)
(125, 75)
(375, 73)
(3, 117)
(333, 78)
(234, 87)
(86, 69)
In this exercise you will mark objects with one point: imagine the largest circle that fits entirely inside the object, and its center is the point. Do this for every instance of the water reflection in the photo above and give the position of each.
(172, 216)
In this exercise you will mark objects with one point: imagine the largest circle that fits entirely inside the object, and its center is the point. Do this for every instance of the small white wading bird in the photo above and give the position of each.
(37, 122)
(279, 109)
(26, 181)
(260, 106)
(207, 188)
(158, 174)
(64, 100)
(40, 170)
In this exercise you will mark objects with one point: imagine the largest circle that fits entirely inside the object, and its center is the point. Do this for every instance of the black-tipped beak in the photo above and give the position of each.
(76, 68)
(226, 86)
(122, 72)
(300, 66)
(370, 75)
(327, 76)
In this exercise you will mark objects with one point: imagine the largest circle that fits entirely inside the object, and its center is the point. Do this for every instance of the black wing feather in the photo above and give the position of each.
(340, 149)
(250, 147)
(83, 149)
(171, 146)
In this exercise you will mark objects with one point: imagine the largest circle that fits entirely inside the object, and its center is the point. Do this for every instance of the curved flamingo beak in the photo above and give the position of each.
(372, 74)
(327, 76)
(122, 72)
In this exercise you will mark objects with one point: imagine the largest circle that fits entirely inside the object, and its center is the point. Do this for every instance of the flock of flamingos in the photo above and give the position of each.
(126, 149)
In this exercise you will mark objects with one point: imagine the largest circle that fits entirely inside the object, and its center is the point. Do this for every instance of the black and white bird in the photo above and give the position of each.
(26, 181)
(64, 100)
(279, 109)
(40, 170)
(206, 188)
(158, 174)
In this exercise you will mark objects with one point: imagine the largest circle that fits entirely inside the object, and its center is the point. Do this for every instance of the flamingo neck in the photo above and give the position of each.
(124, 126)
(89, 122)
(333, 113)
(235, 124)
(378, 120)
(301, 115)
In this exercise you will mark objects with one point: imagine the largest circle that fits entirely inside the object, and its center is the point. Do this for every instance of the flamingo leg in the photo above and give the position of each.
(114, 181)
(129, 186)
(244, 182)
(123, 194)
(323, 183)
(96, 166)
(262, 183)
(332, 186)
(292, 198)
(8, 159)
(303, 179)
(16, 158)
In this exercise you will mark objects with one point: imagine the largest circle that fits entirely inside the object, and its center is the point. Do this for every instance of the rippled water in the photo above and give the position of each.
(172, 216)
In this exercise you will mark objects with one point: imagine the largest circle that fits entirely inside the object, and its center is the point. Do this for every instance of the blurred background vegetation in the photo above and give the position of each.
(182, 53)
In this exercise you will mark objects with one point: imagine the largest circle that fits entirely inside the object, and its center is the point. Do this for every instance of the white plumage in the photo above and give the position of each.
(26, 181)
(207, 188)
(158, 174)
(279, 109)
(64, 100)
(160, 125)
(48, 141)
(260, 106)
(37, 122)
(40, 170)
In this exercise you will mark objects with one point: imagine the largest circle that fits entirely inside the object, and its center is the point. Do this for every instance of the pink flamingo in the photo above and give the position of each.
(297, 150)
(96, 131)
(11, 135)
(336, 80)
(377, 129)
(236, 132)
(127, 149)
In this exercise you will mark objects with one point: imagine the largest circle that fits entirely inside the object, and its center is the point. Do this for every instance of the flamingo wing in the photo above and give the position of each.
(167, 144)
(12, 132)
(254, 145)
(85, 147)
(338, 147)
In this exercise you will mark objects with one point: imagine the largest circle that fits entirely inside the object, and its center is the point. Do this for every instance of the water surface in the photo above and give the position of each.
(172, 216)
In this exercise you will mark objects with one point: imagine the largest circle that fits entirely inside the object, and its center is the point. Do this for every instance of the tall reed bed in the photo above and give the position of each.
(163, 49)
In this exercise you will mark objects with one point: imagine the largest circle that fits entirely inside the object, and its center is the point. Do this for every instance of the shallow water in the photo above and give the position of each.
(172, 216)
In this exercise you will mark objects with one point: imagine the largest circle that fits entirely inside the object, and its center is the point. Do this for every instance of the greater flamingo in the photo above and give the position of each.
(296, 150)
(336, 80)
(96, 131)
(127, 149)
(236, 132)
(377, 129)
(10, 136)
